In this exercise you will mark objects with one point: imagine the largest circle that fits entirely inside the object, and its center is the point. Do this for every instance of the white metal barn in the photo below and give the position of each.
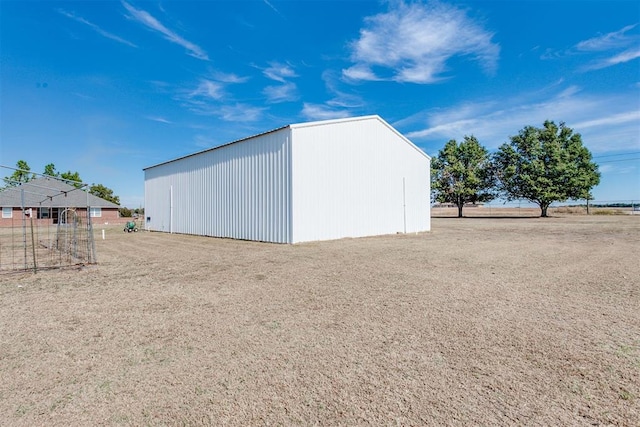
(303, 182)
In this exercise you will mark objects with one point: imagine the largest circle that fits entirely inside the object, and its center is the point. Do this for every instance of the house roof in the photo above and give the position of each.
(50, 192)
(299, 125)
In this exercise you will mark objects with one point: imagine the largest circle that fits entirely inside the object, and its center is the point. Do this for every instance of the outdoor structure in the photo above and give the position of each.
(47, 223)
(46, 198)
(302, 182)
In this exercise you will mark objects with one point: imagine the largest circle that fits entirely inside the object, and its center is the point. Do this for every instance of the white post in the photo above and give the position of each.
(404, 205)
(24, 226)
(103, 234)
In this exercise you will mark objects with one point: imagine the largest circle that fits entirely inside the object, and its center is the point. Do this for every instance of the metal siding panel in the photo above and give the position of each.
(348, 181)
(288, 185)
(226, 192)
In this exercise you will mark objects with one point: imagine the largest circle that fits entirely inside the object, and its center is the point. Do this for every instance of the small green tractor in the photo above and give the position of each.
(130, 226)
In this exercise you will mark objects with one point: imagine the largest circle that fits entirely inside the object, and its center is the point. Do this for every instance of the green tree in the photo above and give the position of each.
(50, 170)
(72, 176)
(546, 165)
(20, 175)
(125, 212)
(104, 193)
(462, 173)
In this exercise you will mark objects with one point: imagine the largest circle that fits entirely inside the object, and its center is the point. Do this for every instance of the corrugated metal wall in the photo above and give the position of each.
(316, 181)
(357, 177)
(241, 191)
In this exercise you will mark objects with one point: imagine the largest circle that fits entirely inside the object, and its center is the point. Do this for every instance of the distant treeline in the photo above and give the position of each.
(128, 213)
(609, 205)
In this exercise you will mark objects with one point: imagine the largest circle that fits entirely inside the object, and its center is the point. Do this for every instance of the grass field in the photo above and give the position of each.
(481, 321)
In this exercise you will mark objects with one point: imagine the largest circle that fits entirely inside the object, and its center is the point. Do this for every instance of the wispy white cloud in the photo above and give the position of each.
(159, 119)
(345, 100)
(208, 89)
(606, 168)
(615, 119)
(342, 95)
(626, 56)
(83, 95)
(214, 85)
(341, 104)
(268, 3)
(569, 92)
(279, 72)
(211, 88)
(413, 42)
(622, 46)
(281, 93)
(605, 50)
(204, 141)
(210, 98)
(146, 19)
(228, 77)
(322, 112)
(606, 123)
(613, 40)
(361, 72)
(240, 113)
(96, 28)
(233, 112)
(616, 169)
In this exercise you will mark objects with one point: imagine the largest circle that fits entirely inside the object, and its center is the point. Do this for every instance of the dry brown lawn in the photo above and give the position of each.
(481, 321)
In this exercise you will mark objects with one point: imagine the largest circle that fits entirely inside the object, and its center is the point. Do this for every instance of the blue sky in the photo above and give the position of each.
(107, 88)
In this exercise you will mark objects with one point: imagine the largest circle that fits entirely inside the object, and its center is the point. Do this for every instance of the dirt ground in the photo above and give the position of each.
(482, 321)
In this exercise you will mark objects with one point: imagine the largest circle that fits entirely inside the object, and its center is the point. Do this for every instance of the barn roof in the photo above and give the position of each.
(52, 192)
(294, 126)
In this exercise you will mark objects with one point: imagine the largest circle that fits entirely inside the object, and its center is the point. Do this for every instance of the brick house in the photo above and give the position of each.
(46, 200)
